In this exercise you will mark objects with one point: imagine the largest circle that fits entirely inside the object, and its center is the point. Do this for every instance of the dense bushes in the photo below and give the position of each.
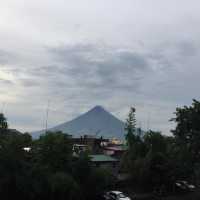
(155, 160)
(48, 170)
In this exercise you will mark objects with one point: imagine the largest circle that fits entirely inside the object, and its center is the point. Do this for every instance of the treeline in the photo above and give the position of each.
(47, 170)
(158, 161)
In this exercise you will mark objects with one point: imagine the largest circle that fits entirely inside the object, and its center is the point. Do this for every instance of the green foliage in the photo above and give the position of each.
(148, 157)
(14, 164)
(100, 180)
(48, 170)
(63, 185)
(53, 150)
(148, 161)
(3, 123)
(155, 142)
(187, 135)
(130, 127)
(81, 168)
(187, 131)
(154, 159)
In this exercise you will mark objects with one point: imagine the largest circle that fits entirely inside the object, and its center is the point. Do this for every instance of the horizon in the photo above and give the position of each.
(97, 107)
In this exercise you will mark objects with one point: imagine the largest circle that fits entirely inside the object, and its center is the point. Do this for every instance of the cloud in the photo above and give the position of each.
(26, 82)
(97, 67)
(6, 57)
(116, 54)
(6, 82)
(82, 75)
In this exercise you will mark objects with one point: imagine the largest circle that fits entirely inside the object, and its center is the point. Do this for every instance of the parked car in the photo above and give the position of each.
(115, 195)
(184, 186)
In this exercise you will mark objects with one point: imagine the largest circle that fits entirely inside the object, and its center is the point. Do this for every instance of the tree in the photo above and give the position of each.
(14, 166)
(81, 167)
(63, 186)
(99, 181)
(148, 160)
(53, 150)
(187, 136)
(155, 142)
(130, 127)
(187, 129)
(3, 123)
(48, 170)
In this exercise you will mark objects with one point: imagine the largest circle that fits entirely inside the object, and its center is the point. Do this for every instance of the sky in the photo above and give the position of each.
(113, 53)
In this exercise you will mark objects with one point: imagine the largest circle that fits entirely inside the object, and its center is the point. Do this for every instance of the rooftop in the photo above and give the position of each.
(116, 148)
(116, 192)
(102, 158)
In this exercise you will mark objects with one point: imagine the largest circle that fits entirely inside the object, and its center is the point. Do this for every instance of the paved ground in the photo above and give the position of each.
(141, 195)
(186, 196)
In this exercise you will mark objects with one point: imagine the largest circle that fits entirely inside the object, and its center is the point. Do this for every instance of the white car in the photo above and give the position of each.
(185, 186)
(115, 195)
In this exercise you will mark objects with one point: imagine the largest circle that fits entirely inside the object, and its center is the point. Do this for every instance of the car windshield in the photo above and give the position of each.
(184, 182)
(121, 195)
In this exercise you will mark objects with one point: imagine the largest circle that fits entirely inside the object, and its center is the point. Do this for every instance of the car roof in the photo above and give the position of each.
(116, 192)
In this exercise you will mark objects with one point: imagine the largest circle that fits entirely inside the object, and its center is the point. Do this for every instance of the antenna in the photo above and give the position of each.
(47, 115)
(140, 124)
(148, 121)
(97, 133)
(139, 129)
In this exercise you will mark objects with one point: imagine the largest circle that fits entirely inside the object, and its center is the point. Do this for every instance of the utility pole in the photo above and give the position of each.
(148, 122)
(47, 116)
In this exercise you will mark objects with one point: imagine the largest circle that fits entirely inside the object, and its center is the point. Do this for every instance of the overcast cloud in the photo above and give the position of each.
(114, 53)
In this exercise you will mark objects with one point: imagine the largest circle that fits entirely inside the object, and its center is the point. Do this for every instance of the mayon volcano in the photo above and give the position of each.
(96, 122)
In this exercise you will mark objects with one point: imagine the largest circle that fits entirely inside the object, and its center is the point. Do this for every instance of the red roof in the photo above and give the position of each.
(115, 148)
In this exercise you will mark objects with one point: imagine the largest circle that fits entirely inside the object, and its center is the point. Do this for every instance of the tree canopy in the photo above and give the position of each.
(48, 170)
(130, 127)
(3, 123)
(154, 159)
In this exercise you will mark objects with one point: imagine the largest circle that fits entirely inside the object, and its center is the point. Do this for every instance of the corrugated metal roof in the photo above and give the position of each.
(102, 158)
(116, 148)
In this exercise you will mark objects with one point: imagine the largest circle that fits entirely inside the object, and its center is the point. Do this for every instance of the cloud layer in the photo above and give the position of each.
(111, 53)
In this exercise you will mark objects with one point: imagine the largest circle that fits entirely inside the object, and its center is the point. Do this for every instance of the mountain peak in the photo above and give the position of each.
(98, 108)
(95, 120)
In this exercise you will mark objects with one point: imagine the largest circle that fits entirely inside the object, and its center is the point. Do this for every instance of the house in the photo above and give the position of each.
(79, 148)
(91, 144)
(105, 161)
(116, 151)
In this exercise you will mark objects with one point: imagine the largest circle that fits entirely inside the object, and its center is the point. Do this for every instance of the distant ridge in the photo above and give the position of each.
(96, 121)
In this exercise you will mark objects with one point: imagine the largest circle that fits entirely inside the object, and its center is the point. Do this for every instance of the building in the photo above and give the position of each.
(91, 144)
(116, 151)
(79, 148)
(105, 161)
